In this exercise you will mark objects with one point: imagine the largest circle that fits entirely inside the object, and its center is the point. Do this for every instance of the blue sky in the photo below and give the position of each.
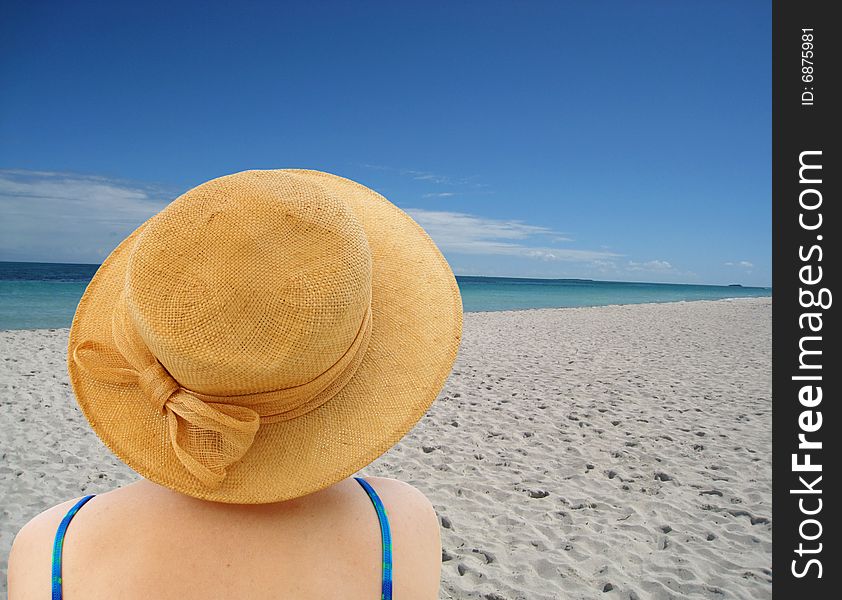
(611, 140)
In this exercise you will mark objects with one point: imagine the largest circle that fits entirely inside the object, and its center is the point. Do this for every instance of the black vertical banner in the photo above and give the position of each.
(806, 171)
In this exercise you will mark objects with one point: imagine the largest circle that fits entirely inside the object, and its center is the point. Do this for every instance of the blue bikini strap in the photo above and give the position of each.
(59, 544)
(385, 534)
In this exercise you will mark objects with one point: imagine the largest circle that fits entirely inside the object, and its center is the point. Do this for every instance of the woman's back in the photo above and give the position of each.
(144, 541)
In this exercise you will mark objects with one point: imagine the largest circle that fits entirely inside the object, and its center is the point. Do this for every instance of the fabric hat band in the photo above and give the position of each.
(209, 433)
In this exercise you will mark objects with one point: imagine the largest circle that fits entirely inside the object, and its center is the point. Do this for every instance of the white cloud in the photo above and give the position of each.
(439, 195)
(652, 270)
(425, 176)
(652, 265)
(743, 264)
(470, 234)
(429, 177)
(67, 217)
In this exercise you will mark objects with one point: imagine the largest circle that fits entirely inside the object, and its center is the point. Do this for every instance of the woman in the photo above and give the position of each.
(246, 351)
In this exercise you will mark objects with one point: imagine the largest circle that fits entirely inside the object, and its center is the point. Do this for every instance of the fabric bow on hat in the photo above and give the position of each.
(208, 433)
(206, 437)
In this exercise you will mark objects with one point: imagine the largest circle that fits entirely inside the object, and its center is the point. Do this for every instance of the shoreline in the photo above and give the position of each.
(522, 310)
(598, 306)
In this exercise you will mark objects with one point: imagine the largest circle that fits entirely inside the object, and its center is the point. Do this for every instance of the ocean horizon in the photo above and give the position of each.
(45, 295)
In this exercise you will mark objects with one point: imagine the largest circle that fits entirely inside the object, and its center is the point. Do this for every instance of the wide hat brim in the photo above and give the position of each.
(416, 330)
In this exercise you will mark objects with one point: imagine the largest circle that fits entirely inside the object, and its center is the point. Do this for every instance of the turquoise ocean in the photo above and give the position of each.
(44, 295)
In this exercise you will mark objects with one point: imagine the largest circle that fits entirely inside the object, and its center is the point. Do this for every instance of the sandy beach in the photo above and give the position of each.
(610, 452)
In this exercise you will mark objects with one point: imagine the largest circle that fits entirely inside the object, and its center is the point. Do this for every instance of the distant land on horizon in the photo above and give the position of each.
(608, 281)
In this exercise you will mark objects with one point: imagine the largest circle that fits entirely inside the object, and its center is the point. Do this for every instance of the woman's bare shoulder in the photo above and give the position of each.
(405, 499)
(31, 552)
(412, 517)
(398, 488)
(42, 525)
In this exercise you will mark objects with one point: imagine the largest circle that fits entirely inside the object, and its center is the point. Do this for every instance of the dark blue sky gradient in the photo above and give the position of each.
(636, 134)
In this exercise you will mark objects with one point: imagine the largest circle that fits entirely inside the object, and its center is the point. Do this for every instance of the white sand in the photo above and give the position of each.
(615, 452)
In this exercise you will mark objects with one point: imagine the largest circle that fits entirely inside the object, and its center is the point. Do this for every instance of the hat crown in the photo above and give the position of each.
(250, 283)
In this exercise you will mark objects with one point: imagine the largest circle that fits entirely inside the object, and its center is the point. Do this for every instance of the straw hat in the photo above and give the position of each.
(267, 334)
